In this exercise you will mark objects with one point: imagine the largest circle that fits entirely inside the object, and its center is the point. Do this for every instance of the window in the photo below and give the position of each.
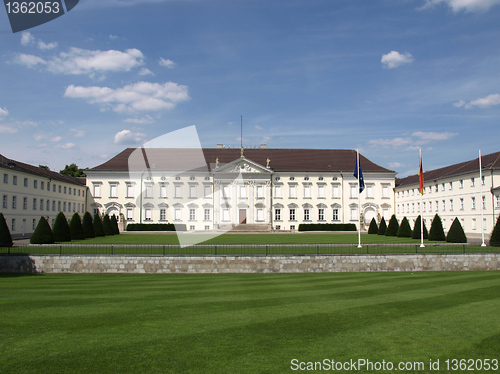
(385, 191)
(207, 228)
(208, 191)
(335, 192)
(472, 182)
(41, 204)
(225, 214)
(292, 214)
(130, 190)
(53, 205)
(307, 191)
(451, 186)
(354, 190)
(192, 192)
(482, 180)
(163, 214)
(306, 215)
(424, 206)
(73, 207)
(293, 191)
(451, 204)
(354, 214)
(4, 202)
(78, 192)
(58, 206)
(413, 207)
(260, 214)
(225, 191)
(484, 202)
(335, 214)
(461, 204)
(97, 189)
(277, 214)
(34, 224)
(14, 202)
(192, 214)
(113, 190)
(444, 205)
(292, 228)
(35, 184)
(47, 205)
(6, 178)
(42, 185)
(206, 214)
(130, 214)
(321, 214)
(473, 201)
(436, 188)
(25, 182)
(14, 180)
(430, 206)
(192, 228)
(278, 192)
(369, 191)
(474, 225)
(498, 200)
(243, 192)
(148, 192)
(260, 192)
(65, 189)
(148, 214)
(13, 224)
(64, 206)
(54, 188)
(178, 191)
(443, 188)
(163, 190)
(60, 190)
(25, 203)
(74, 192)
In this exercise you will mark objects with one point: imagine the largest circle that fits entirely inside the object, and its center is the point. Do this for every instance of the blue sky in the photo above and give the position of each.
(385, 76)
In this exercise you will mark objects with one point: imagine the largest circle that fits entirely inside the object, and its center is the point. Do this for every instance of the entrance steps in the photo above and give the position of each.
(250, 227)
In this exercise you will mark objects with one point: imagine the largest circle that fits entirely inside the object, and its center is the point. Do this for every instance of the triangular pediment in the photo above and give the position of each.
(244, 166)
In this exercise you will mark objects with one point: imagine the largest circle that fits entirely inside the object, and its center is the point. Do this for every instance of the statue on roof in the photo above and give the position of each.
(268, 162)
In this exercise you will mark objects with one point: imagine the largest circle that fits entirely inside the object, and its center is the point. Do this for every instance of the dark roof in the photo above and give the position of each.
(281, 159)
(489, 162)
(10, 164)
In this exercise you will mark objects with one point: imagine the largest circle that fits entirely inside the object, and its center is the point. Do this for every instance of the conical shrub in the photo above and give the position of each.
(5, 237)
(417, 232)
(456, 233)
(392, 229)
(106, 225)
(43, 233)
(404, 230)
(88, 228)
(97, 224)
(382, 228)
(495, 234)
(114, 225)
(61, 229)
(437, 232)
(76, 228)
(373, 229)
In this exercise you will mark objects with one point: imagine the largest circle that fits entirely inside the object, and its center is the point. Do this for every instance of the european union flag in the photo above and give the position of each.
(361, 179)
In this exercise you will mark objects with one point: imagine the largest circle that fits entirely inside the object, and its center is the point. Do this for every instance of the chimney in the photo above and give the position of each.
(220, 146)
(263, 146)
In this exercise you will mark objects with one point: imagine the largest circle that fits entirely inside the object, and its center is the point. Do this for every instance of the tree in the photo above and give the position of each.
(73, 171)
(456, 233)
(373, 229)
(392, 229)
(114, 225)
(43, 234)
(495, 234)
(417, 231)
(5, 237)
(97, 224)
(61, 230)
(404, 230)
(88, 228)
(76, 228)
(106, 225)
(437, 232)
(382, 227)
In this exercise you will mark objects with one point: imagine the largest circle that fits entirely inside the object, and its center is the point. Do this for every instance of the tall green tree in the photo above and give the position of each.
(373, 229)
(392, 229)
(417, 232)
(73, 171)
(97, 224)
(456, 233)
(106, 225)
(382, 228)
(76, 228)
(61, 230)
(495, 234)
(43, 233)
(5, 237)
(88, 228)
(404, 230)
(114, 225)
(437, 233)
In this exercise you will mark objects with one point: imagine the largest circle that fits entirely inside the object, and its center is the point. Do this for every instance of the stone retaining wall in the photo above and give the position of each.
(247, 264)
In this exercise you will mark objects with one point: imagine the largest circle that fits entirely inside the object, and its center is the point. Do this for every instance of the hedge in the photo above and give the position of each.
(88, 228)
(404, 230)
(456, 233)
(373, 229)
(61, 230)
(43, 233)
(5, 237)
(417, 232)
(495, 235)
(437, 232)
(75, 227)
(392, 229)
(97, 224)
(327, 227)
(114, 225)
(106, 225)
(382, 227)
(156, 227)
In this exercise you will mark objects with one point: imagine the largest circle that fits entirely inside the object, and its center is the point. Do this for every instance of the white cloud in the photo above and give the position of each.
(394, 165)
(483, 102)
(83, 61)
(27, 38)
(391, 143)
(145, 71)
(413, 142)
(141, 96)
(77, 133)
(257, 127)
(113, 37)
(426, 137)
(3, 113)
(67, 146)
(42, 137)
(465, 5)
(140, 121)
(395, 59)
(6, 129)
(167, 63)
(45, 46)
(128, 137)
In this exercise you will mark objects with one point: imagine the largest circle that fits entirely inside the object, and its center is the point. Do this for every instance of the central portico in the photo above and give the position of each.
(242, 193)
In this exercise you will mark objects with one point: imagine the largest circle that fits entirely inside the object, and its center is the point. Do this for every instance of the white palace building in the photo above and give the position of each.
(219, 188)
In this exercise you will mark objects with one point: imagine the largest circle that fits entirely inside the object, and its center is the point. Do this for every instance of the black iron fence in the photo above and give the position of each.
(242, 249)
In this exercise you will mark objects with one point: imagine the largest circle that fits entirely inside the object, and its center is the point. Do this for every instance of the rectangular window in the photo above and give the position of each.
(472, 182)
(225, 214)
(148, 214)
(243, 192)
(354, 214)
(163, 214)
(437, 205)
(25, 182)
(192, 228)
(208, 191)
(277, 214)
(482, 180)
(260, 214)
(65, 189)
(307, 191)
(473, 201)
(451, 204)
(54, 188)
(13, 224)
(498, 200)
(178, 191)
(149, 190)
(25, 203)
(306, 215)
(430, 206)
(444, 205)
(321, 214)
(53, 205)
(130, 190)
(192, 192)
(369, 191)
(413, 207)
(443, 188)
(474, 225)
(424, 206)
(41, 204)
(335, 214)
(292, 214)
(177, 214)
(42, 185)
(34, 224)
(60, 190)
(130, 214)
(74, 191)
(354, 190)
(14, 202)
(35, 184)
(163, 190)
(206, 214)
(58, 206)
(74, 206)
(260, 192)
(335, 192)
(192, 214)
(4, 202)
(113, 190)
(14, 180)
(47, 205)
(278, 192)
(293, 192)
(451, 186)
(484, 202)
(385, 191)
(6, 178)
(97, 190)
(78, 192)
(64, 206)
(461, 204)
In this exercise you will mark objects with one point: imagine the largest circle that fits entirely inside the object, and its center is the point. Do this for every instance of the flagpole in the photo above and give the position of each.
(481, 199)
(421, 171)
(359, 199)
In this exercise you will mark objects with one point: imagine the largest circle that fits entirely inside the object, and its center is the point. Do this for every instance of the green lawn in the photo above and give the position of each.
(252, 323)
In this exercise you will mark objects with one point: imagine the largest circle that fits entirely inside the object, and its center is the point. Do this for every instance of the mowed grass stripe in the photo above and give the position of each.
(255, 323)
